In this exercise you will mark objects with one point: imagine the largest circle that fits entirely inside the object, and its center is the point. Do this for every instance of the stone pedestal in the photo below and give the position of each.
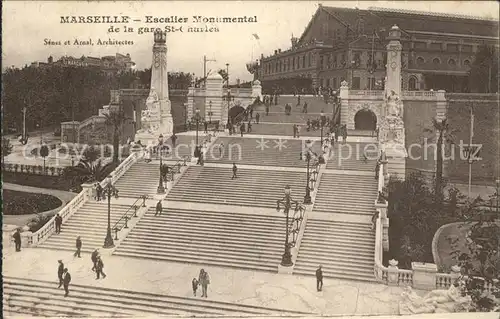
(424, 275)
(257, 90)
(285, 270)
(344, 102)
(393, 273)
(90, 191)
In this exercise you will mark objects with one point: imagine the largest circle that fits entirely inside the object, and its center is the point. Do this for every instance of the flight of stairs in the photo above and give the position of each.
(351, 156)
(294, 117)
(90, 222)
(209, 238)
(29, 297)
(257, 188)
(344, 250)
(257, 151)
(315, 104)
(140, 179)
(351, 194)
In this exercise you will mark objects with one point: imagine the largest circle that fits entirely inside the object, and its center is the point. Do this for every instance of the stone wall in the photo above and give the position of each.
(486, 132)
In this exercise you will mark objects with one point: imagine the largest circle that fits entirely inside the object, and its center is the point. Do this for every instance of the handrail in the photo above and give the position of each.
(178, 165)
(125, 218)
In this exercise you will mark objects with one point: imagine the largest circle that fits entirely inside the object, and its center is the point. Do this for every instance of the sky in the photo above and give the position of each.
(26, 25)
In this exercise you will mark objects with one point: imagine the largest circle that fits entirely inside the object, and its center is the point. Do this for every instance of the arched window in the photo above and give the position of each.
(436, 61)
(420, 60)
(452, 62)
(466, 62)
(309, 58)
(303, 61)
(412, 84)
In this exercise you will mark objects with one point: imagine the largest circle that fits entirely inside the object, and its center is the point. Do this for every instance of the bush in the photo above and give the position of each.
(42, 181)
(22, 203)
(38, 222)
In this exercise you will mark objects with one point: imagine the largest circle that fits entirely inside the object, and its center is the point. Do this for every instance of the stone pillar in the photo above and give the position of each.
(344, 102)
(393, 273)
(90, 191)
(25, 235)
(256, 90)
(393, 67)
(424, 275)
(213, 100)
(382, 208)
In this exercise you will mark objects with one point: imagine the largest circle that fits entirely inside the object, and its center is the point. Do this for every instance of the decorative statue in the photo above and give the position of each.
(393, 104)
(439, 300)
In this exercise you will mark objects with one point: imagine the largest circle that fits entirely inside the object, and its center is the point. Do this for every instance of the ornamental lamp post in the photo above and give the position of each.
(286, 259)
(210, 112)
(109, 190)
(322, 118)
(161, 189)
(307, 156)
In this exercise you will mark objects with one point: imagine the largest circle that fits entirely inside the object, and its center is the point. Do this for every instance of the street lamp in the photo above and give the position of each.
(228, 98)
(308, 155)
(210, 112)
(288, 202)
(161, 189)
(323, 120)
(109, 190)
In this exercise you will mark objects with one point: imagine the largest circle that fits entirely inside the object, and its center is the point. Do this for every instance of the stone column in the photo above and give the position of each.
(393, 273)
(424, 275)
(344, 102)
(394, 49)
(256, 90)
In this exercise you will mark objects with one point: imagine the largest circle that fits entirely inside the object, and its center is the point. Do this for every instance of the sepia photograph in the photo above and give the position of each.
(250, 159)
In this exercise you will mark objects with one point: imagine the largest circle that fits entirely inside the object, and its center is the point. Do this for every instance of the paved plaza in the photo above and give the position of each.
(288, 292)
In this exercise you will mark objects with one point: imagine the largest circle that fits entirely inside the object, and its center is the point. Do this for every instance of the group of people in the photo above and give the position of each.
(203, 280)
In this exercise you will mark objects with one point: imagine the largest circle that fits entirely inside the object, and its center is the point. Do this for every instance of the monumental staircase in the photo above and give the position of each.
(259, 151)
(90, 222)
(253, 187)
(228, 239)
(29, 297)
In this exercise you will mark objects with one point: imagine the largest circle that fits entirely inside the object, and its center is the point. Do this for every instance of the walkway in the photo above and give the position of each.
(21, 220)
(237, 286)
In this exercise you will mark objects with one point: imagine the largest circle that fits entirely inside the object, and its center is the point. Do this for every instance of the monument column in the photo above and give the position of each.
(393, 67)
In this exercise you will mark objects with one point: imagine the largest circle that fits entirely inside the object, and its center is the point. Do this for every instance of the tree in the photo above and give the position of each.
(116, 119)
(445, 135)
(483, 74)
(6, 147)
(91, 153)
(88, 172)
(224, 74)
(44, 152)
(480, 259)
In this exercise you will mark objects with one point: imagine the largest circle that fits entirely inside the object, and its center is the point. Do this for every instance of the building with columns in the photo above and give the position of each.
(349, 44)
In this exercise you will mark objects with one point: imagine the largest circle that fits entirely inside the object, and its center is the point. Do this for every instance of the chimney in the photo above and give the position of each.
(275, 52)
(279, 50)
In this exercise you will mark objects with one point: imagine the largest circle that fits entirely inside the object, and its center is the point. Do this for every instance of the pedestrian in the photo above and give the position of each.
(304, 108)
(58, 221)
(344, 133)
(60, 272)
(298, 100)
(93, 257)
(319, 278)
(66, 281)
(99, 266)
(159, 207)
(235, 170)
(257, 118)
(205, 124)
(17, 239)
(98, 190)
(308, 125)
(221, 148)
(78, 247)
(267, 109)
(298, 131)
(204, 281)
(242, 129)
(174, 139)
(294, 131)
(374, 219)
(195, 284)
(377, 169)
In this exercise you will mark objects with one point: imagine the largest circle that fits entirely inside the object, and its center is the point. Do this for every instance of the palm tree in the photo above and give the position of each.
(116, 119)
(445, 135)
(89, 172)
(482, 75)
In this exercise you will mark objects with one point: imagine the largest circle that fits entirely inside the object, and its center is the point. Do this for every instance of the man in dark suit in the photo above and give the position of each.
(99, 267)
(158, 208)
(66, 281)
(78, 247)
(319, 278)
(17, 239)
(58, 221)
(60, 271)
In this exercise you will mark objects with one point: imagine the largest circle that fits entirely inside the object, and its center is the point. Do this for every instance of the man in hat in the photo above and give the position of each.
(93, 257)
(159, 208)
(66, 281)
(319, 278)
(17, 239)
(58, 221)
(60, 271)
(99, 267)
(78, 247)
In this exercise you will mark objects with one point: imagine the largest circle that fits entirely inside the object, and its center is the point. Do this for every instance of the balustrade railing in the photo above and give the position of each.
(123, 167)
(122, 222)
(367, 92)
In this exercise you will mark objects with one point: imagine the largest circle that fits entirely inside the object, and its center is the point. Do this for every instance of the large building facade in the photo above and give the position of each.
(349, 44)
(109, 64)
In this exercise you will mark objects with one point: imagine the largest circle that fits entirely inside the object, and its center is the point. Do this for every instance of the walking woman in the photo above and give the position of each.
(204, 281)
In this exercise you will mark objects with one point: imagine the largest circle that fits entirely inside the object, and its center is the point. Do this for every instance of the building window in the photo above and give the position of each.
(451, 62)
(412, 84)
(436, 46)
(334, 61)
(420, 60)
(334, 83)
(303, 61)
(327, 83)
(466, 48)
(361, 26)
(466, 62)
(420, 45)
(436, 61)
(309, 59)
(371, 83)
(328, 62)
(321, 62)
(452, 47)
(321, 82)
(356, 83)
